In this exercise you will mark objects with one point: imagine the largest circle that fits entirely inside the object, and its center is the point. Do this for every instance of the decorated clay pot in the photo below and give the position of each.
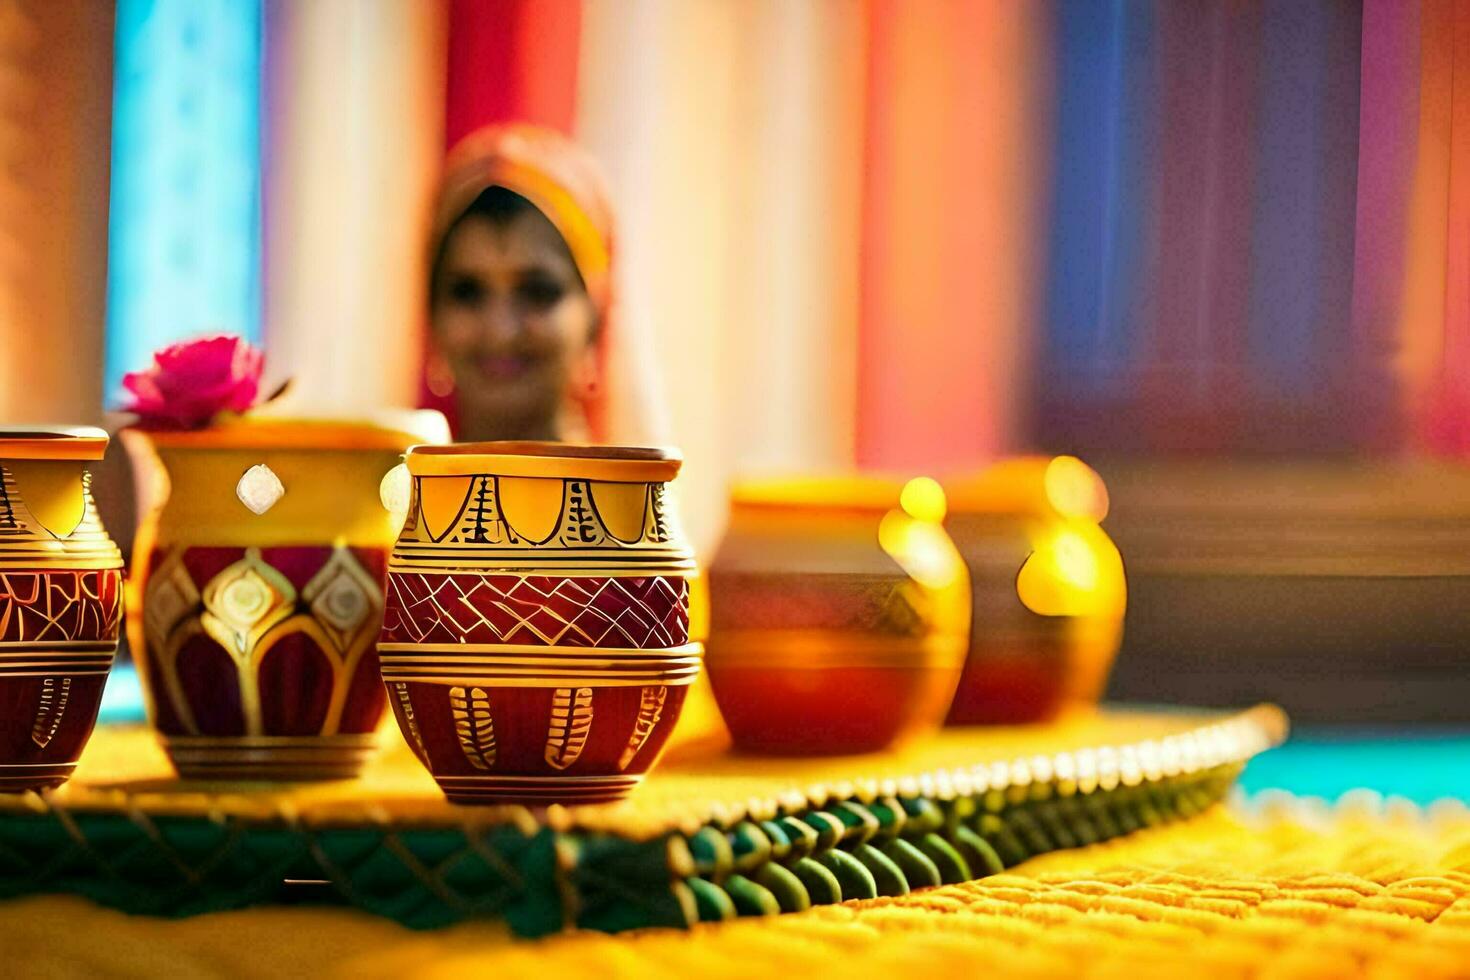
(839, 613)
(1048, 590)
(536, 641)
(60, 603)
(256, 592)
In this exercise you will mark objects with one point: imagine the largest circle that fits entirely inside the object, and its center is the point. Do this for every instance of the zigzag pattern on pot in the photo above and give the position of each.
(644, 613)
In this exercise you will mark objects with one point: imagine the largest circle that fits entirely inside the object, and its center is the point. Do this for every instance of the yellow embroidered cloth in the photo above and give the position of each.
(1292, 891)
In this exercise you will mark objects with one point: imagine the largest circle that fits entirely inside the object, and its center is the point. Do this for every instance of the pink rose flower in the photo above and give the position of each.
(189, 383)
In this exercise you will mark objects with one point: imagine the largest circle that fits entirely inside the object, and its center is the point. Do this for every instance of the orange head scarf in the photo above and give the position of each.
(565, 184)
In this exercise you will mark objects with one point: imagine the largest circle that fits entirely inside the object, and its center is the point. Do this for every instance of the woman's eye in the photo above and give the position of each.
(466, 292)
(540, 293)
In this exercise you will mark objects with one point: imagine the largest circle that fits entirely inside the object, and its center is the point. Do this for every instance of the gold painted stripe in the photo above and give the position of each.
(531, 669)
(61, 563)
(551, 663)
(537, 663)
(545, 680)
(617, 780)
(512, 793)
(265, 759)
(88, 671)
(523, 791)
(474, 559)
(548, 571)
(552, 548)
(536, 649)
(60, 645)
(518, 665)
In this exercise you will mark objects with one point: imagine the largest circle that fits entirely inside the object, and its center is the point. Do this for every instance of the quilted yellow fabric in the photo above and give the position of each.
(1290, 891)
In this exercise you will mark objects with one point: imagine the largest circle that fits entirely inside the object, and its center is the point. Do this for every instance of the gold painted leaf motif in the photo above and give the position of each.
(473, 726)
(571, 723)
(650, 709)
(50, 709)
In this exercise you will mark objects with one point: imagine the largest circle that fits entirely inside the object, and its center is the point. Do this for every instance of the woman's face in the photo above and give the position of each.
(515, 324)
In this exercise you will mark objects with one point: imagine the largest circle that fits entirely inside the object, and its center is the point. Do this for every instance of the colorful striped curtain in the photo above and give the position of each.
(913, 235)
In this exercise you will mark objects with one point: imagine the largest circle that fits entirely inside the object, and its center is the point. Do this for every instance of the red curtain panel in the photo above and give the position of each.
(511, 61)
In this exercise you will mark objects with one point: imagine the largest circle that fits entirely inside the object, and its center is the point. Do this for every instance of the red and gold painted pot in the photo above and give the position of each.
(1047, 585)
(254, 631)
(839, 613)
(60, 603)
(536, 641)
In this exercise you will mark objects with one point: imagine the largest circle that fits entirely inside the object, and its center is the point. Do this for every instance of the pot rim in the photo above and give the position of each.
(391, 431)
(550, 460)
(59, 442)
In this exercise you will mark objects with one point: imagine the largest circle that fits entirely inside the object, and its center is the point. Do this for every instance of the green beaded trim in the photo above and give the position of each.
(849, 840)
(854, 849)
(889, 837)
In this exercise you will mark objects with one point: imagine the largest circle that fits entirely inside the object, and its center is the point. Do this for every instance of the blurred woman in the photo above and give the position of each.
(520, 290)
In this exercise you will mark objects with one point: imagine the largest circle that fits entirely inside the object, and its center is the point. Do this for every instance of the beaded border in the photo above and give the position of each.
(849, 840)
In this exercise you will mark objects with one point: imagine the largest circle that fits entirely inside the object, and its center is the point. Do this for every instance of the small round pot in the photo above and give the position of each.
(838, 615)
(254, 632)
(1047, 586)
(536, 641)
(60, 603)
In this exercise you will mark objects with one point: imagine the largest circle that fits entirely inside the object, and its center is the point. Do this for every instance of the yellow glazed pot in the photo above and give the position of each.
(536, 644)
(254, 632)
(839, 611)
(60, 603)
(1047, 585)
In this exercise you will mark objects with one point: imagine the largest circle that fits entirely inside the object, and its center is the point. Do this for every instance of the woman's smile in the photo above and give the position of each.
(502, 367)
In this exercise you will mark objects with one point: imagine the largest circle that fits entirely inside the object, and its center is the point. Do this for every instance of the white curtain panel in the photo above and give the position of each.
(354, 110)
(730, 132)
